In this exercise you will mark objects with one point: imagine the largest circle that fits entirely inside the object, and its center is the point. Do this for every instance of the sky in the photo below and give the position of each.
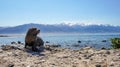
(18, 12)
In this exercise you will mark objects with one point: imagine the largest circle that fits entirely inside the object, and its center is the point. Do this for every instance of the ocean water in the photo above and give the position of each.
(68, 40)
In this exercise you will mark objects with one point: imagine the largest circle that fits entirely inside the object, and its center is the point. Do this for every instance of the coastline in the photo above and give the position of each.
(15, 56)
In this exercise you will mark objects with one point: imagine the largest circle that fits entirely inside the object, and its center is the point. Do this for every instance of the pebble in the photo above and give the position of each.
(118, 54)
(11, 65)
(107, 52)
(98, 65)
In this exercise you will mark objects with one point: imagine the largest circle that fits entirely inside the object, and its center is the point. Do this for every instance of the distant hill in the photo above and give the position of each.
(62, 28)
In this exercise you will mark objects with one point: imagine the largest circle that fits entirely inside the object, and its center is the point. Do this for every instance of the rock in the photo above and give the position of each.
(19, 42)
(55, 45)
(11, 65)
(13, 42)
(79, 41)
(118, 54)
(8, 47)
(111, 64)
(104, 40)
(103, 48)
(65, 56)
(107, 52)
(47, 42)
(98, 65)
(75, 45)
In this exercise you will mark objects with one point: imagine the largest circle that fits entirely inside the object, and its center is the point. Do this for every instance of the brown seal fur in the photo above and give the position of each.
(31, 38)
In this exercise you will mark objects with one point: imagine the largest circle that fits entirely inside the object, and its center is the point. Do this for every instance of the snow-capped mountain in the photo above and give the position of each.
(63, 27)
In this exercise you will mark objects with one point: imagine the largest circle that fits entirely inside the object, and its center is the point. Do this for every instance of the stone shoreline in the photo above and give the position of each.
(12, 56)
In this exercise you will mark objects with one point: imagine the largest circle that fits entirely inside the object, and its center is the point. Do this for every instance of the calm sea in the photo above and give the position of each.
(68, 40)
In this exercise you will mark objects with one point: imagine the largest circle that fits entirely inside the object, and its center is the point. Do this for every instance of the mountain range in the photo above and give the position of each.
(66, 28)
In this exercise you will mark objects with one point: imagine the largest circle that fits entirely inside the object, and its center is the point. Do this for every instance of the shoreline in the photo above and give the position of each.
(15, 56)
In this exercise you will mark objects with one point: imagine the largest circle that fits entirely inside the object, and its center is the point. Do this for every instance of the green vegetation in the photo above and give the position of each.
(115, 43)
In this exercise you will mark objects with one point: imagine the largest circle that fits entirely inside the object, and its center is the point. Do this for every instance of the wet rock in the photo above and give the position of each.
(75, 45)
(13, 42)
(47, 42)
(104, 40)
(79, 41)
(103, 48)
(19, 42)
(4, 36)
(50, 46)
(56, 45)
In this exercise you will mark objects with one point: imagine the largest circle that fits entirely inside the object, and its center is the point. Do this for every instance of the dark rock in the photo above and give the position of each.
(79, 41)
(85, 55)
(91, 59)
(19, 42)
(13, 42)
(111, 64)
(79, 58)
(11, 65)
(75, 45)
(8, 47)
(98, 65)
(55, 45)
(4, 36)
(107, 52)
(103, 48)
(65, 56)
(104, 40)
(47, 42)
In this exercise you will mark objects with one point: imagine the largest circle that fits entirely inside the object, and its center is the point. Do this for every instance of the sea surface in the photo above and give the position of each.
(67, 40)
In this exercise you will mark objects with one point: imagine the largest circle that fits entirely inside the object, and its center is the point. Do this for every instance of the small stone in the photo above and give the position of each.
(79, 58)
(47, 42)
(103, 48)
(79, 41)
(11, 65)
(111, 64)
(74, 66)
(105, 55)
(65, 56)
(91, 59)
(98, 65)
(13, 42)
(118, 54)
(104, 40)
(85, 55)
(107, 52)
(19, 42)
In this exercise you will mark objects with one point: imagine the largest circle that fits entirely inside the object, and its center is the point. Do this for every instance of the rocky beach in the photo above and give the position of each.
(49, 56)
